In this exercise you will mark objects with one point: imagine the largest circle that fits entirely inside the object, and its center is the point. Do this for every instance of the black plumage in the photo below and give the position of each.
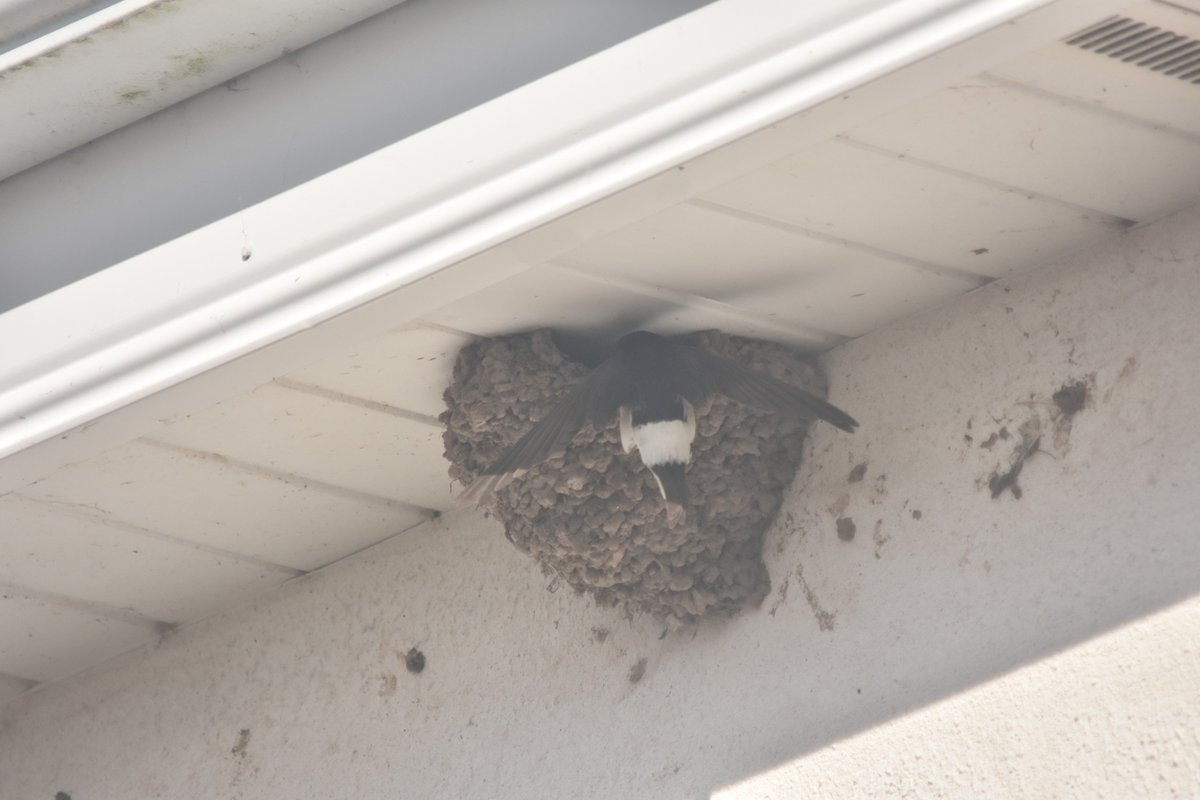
(648, 381)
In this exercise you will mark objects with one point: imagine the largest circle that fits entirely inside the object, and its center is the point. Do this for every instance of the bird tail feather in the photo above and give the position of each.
(673, 487)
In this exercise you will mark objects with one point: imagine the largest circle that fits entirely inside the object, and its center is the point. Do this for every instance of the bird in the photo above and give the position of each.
(652, 385)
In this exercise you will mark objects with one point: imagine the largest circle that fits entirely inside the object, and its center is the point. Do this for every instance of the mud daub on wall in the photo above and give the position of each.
(592, 515)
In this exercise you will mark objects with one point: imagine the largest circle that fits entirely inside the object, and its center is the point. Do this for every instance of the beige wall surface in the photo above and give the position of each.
(959, 645)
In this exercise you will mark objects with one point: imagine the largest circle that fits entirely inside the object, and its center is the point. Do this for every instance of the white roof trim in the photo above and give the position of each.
(397, 217)
(73, 31)
(125, 61)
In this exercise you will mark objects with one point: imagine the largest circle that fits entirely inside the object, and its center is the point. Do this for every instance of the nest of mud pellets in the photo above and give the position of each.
(592, 515)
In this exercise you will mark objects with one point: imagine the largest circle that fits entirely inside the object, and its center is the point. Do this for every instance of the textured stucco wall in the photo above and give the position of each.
(957, 645)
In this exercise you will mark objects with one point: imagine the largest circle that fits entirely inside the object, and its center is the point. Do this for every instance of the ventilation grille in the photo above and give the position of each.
(1144, 45)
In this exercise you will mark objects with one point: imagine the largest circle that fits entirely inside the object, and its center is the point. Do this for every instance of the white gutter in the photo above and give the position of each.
(127, 60)
(394, 219)
(22, 21)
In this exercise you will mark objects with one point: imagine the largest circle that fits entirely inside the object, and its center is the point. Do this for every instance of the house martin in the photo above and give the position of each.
(653, 386)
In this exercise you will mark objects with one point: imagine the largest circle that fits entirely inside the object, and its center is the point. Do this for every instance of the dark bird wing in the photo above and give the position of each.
(595, 402)
(716, 374)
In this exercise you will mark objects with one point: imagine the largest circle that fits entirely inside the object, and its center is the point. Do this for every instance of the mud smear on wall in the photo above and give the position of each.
(592, 515)
(1045, 423)
(243, 742)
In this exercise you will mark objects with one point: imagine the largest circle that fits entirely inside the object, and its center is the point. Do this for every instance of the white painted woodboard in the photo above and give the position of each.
(57, 550)
(335, 442)
(207, 500)
(884, 201)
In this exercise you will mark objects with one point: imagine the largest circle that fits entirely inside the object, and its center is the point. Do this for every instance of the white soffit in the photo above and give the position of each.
(263, 514)
(134, 57)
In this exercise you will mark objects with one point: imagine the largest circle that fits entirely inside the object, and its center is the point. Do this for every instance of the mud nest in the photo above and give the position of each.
(593, 516)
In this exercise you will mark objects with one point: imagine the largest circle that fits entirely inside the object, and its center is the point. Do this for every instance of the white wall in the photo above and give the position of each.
(1038, 647)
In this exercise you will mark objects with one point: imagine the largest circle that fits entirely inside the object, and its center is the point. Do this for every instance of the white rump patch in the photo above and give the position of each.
(668, 442)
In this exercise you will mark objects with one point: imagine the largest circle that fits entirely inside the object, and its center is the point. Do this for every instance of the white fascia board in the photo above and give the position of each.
(134, 57)
(389, 225)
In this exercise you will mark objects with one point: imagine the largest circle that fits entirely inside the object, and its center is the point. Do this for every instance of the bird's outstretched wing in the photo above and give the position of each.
(750, 387)
(595, 402)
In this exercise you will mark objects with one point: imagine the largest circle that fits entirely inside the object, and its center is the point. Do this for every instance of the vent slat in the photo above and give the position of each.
(1100, 33)
(1169, 53)
(1158, 58)
(1151, 45)
(1132, 39)
(1184, 67)
(1187, 54)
